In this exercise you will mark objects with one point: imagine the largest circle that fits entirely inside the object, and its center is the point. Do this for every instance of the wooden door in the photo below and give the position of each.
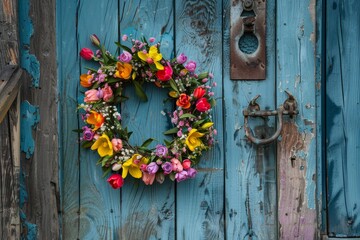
(342, 118)
(242, 191)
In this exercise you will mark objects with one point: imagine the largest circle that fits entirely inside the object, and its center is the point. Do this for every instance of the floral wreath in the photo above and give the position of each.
(193, 131)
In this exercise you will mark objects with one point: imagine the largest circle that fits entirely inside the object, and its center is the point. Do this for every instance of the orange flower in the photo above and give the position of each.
(123, 70)
(183, 101)
(95, 119)
(85, 80)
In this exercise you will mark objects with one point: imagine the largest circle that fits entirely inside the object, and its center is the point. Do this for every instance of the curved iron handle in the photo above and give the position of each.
(258, 141)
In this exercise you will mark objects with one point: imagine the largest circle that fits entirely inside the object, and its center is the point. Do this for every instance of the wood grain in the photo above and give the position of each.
(342, 119)
(297, 149)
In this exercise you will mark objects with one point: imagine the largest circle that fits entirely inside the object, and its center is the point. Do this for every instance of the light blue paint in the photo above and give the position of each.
(29, 118)
(28, 61)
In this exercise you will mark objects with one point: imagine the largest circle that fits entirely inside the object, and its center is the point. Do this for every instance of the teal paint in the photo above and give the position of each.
(29, 118)
(28, 61)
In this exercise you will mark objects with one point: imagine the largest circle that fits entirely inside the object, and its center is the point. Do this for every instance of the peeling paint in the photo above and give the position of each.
(27, 61)
(29, 118)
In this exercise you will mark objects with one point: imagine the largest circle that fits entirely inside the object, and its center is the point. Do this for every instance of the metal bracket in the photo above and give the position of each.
(289, 107)
(247, 41)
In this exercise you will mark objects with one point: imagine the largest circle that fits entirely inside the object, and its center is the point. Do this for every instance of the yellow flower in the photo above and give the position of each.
(133, 164)
(95, 119)
(192, 140)
(103, 146)
(123, 70)
(152, 57)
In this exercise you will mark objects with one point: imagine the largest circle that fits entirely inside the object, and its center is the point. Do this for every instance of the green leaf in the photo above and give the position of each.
(87, 144)
(187, 115)
(173, 85)
(147, 142)
(171, 131)
(139, 91)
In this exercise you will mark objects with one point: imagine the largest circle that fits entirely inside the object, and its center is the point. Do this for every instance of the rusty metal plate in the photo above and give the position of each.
(247, 40)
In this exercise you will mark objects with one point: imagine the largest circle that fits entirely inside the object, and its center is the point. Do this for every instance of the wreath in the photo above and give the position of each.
(193, 131)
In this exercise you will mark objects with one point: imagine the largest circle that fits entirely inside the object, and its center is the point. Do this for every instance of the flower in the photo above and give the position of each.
(152, 168)
(167, 167)
(85, 80)
(186, 164)
(165, 74)
(88, 134)
(148, 178)
(123, 70)
(202, 105)
(116, 181)
(181, 58)
(191, 66)
(86, 53)
(176, 165)
(192, 140)
(107, 93)
(133, 164)
(125, 56)
(181, 176)
(199, 92)
(183, 101)
(91, 96)
(95, 40)
(161, 150)
(117, 144)
(153, 57)
(95, 119)
(103, 146)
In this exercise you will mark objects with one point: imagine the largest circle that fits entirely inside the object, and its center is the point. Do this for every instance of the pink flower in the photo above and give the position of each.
(186, 164)
(125, 56)
(199, 92)
(117, 144)
(176, 165)
(202, 105)
(116, 181)
(148, 178)
(181, 58)
(107, 93)
(86, 53)
(165, 74)
(191, 66)
(91, 96)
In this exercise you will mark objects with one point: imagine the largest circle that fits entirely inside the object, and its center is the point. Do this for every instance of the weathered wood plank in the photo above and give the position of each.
(148, 212)
(200, 201)
(99, 203)
(296, 150)
(68, 78)
(250, 170)
(342, 118)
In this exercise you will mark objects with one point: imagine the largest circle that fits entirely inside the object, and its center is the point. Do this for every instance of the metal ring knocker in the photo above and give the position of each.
(289, 107)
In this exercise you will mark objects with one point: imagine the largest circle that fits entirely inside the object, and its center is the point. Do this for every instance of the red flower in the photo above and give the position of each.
(116, 181)
(202, 105)
(183, 101)
(86, 53)
(165, 74)
(199, 92)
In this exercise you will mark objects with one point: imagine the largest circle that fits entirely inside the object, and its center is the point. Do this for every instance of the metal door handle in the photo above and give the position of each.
(289, 107)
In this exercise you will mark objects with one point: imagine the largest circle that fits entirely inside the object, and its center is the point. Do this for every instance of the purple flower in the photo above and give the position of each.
(88, 134)
(152, 168)
(181, 176)
(191, 172)
(167, 167)
(181, 58)
(125, 56)
(161, 150)
(191, 66)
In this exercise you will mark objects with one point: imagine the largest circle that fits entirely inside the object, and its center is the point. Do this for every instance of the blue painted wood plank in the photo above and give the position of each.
(68, 84)
(250, 178)
(99, 203)
(297, 149)
(342, 119)
(147, 212)
(200, 201)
